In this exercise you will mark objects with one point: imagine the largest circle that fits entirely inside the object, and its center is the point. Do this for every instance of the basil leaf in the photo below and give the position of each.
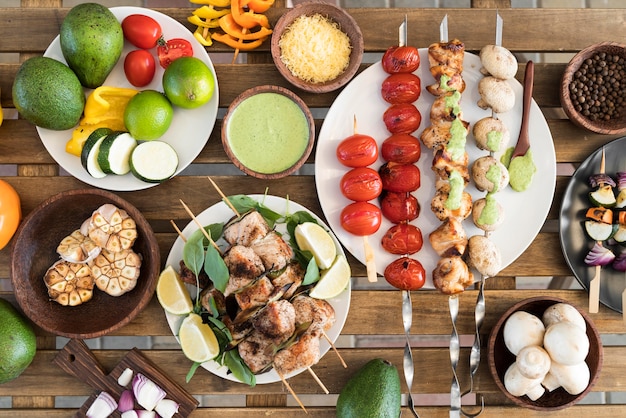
(193, 255)
(312, 273)
(192, 371)
(239, 369)
(215, 267)
(242, 203)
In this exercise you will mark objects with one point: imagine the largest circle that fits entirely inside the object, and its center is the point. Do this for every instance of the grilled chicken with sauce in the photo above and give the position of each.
(441, 209)
(444, 164)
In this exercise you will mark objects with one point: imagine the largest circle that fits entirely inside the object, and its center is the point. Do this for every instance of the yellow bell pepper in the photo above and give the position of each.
(203, 36)
(198, 21)
(215, 3)
(209, 12)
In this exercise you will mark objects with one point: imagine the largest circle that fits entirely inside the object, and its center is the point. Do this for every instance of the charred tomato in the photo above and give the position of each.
(401, 148)
(400, 178)
(399, 207)
(403, 238)
(401, 88)
(361, 184)
(405, 273)
(357, 151)
(402, 118)
(361, 218)
(401, 59)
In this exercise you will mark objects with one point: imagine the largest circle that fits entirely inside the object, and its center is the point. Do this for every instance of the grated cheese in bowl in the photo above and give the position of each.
(315, 49)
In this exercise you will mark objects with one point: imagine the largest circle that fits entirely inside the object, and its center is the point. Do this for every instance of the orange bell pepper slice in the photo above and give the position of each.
(228, 25)
(236, 43)
(259, 6)
(248, 19)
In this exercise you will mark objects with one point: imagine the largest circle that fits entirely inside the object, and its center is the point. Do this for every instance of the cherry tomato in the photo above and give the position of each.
(406, 274)
(361, 218)
(172, 49)
(399, 207)
(402, 118)
(401, 59)
(401, 88)
(139, 67)
(400, 177)
(401, 148)
(357, 151)
(141, 30)
(403, 239)
(10, 212)
(361, 184)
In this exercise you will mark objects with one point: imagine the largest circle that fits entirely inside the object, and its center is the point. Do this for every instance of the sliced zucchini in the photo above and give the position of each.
(620, 234)
(603, 196)
(153, 161)
(89, 154)
(599, 231)
(620, 201)
(115, 150)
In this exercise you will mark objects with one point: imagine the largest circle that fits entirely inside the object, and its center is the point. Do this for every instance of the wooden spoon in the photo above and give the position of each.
(523, 142)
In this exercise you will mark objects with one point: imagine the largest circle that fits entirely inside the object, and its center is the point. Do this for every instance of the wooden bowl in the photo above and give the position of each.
(500, 358)
(273, 156)
(612, 126)
(34, 251)
(346, 23)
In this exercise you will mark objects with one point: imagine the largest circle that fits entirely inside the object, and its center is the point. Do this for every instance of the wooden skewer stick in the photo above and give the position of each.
(243, 31)
(317, 379)
(226, 200)
(332, 345)
(206, 234)
(288, 386)
(178, 231)
(594, 284)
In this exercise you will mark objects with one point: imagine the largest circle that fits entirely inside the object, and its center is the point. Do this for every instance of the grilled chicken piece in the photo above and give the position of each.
(445, 108)
(453, 81)
(303, 353)
(69, 284)
(440, 208)
(219, 301)
(451, 275)
(110, 228)
(437, 135)
(277, 320)
(443, 165)
(292, 274)
(257, 351)
(188, 276)
(254, 294)
(319, 313)
(244, 266)
(449, 239)
(116, 273)
(448, 54)
(273, 250)
(246, 229)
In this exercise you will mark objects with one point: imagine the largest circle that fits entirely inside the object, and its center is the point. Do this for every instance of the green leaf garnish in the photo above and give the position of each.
(235, 364)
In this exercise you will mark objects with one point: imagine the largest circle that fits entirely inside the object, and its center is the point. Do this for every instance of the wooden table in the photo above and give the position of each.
(29, 29)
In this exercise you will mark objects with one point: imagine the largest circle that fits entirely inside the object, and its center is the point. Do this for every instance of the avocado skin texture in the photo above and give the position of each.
(48, 94)
(91, 41)
(17, 342)
(373, 392)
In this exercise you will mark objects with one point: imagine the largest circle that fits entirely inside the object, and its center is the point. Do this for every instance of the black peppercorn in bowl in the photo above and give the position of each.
(593, 88)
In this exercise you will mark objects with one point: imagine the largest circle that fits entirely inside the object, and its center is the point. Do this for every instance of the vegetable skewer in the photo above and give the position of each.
(594, 284)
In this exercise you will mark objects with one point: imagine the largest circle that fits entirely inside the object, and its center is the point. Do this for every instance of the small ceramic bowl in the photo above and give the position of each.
(268, 132)
(612, 126)
(34, 251)
(346, 24)
(500, 358)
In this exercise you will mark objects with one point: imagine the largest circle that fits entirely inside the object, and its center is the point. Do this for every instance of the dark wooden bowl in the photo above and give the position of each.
(610, 127)
(277, 155)
(347, 24)
(34, 251)
(500, 358)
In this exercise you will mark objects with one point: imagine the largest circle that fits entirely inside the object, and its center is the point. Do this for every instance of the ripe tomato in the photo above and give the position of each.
(402, 118)
(401, 88)
(10, 212)
(399, 207)
(401, 59)
(361, 218)
(361, 184)
(172, 49)
(401, 148)
(139, 67)
(141, 30)
(403, 239)
(357, 151)
(400, 177)
(405, 274)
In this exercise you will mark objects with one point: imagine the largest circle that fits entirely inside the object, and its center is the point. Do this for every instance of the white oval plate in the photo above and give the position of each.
(525, 212)
(190, 128)
(220, 212)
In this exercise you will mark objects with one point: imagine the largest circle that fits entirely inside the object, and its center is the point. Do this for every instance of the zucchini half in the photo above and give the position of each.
(603, 196)
(91, 149)
(115, 151)
(599, 231)
(153, 161)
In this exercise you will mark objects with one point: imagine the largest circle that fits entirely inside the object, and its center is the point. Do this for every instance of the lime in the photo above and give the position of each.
(188, 82)
(312, 237)
(197, 339)
(333, 280)
(148, 115)
(172, 293)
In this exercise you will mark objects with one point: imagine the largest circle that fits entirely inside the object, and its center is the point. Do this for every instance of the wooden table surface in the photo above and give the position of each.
(29, 29)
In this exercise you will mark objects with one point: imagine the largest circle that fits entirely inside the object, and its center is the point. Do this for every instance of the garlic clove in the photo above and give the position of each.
(147, 393)
(166, 408)
(102, 406)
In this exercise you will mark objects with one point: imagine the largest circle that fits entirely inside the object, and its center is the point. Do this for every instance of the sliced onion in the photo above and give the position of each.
(102, 406)
(147, 393)
(166, 408)
(126, 402)
(621, 180)
(619, 263)
(599, 256)
(598, 179)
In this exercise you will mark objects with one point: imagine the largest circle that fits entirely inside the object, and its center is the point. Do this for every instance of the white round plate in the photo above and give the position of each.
(220, 212)
(190, 128)
(525, 211)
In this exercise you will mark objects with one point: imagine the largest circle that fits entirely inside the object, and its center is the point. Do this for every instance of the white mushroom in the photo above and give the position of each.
(491, 134)
(489, 174)
(498, 62)
(573, 378)
(533, 362)
(496, 94)
(484, 255)
(522, 329)
(563, 312)
(519, 385)
(566, 343)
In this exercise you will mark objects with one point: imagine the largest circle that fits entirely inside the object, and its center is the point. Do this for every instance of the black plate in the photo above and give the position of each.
(574, 241)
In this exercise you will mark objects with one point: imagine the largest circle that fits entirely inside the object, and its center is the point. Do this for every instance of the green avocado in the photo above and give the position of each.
(47, 93)
(373, 392)
(91, 41)
(17, 342)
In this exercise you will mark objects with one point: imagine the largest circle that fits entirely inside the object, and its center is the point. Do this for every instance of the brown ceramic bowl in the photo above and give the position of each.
(257, 149)
(34, 251)
(612, 126)
(500, 358)
(346, 23)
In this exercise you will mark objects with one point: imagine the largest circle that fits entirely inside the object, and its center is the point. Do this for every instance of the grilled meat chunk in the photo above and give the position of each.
(440, 208)
(277, 320)
(257, 351)
(451, 275)
(303, 353)
(246, 229)
(273, 250)
(292, 274)
(449, 239)
(254, 294)
(244, 266)
(319, 313)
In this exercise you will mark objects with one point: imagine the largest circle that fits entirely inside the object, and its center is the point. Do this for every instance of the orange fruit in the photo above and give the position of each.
(188, 82)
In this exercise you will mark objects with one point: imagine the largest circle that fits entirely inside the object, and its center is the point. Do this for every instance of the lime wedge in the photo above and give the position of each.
(172, 293)
(197, 339)
(312, 237)
(333, 280)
